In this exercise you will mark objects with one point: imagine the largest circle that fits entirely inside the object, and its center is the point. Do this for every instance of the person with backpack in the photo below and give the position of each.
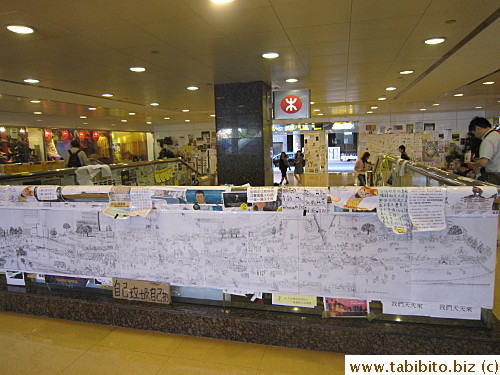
(75, 157)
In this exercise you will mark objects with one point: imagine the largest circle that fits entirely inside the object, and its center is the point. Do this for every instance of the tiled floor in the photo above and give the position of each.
(37, 345)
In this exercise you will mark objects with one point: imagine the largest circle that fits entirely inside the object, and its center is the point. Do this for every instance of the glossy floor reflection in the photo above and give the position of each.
(38, 345)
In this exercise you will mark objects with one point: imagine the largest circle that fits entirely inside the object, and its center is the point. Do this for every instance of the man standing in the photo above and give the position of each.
(489, 151)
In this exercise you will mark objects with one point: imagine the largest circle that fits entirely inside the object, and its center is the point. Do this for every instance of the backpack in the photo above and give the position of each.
(74, 160)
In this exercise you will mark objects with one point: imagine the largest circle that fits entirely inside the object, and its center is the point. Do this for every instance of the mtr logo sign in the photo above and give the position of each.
(292, 104)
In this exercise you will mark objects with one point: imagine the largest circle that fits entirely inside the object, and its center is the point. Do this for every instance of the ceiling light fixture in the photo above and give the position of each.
(154, 104)
(373, 107)
(270, 55)
(406, 72)
(192, 88)
(423, 109)
(369, 112)
(316, 110)
(131, 113)
(37, 113)
(390, 88)
(478, 107)
(435, 104)
(92, 109)
(21, 29)
(382, 98)
(291, 80)
(187, 120)
(30, 80)
(166, 118)
(212, 115)
(138, 69)
(83, 116)
(488, 83)
(458, 95)
(35, 101)
(123, 120)
(107, 95)
(148, 122)
(312, 103)
(221, 1)
(320, 114)
(185, 110)
(436, 40)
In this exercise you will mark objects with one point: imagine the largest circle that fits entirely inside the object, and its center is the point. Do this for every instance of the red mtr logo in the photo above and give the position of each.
(291, 104)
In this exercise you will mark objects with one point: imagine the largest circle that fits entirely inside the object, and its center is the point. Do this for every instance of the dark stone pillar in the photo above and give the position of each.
(244, 133)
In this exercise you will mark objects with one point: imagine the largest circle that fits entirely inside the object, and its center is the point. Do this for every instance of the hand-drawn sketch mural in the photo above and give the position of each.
(342, 255)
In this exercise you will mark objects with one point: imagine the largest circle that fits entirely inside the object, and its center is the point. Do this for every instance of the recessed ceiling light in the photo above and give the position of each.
(187, 120)
(166, 118)
(221, 1)
(316, 110)
(291, 80)
(270, 55)
(185, 110)
(436, 40)
(30, 80)
(320, 114)
(138, 69)
(435, 104)
(107, 95)
(458, 95)
(478, 107)
(37, 113)
(212, 115)
(488, 83)
(123, 120)
(131, 113)
(423, 109)
(369, 112)
(92, 109)
(34, 101)
(373, 107)
(21, 29)
(154, 104)
(83, 116)
(382, 98)
(148, 122)
(390, 88)
(406, 72)
(312, 103)
(192, 88)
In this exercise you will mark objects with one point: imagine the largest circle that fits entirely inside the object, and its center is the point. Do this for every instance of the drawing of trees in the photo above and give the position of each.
(66, 226)
(368, 227)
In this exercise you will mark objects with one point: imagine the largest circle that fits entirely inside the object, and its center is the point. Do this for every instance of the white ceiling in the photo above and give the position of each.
(346, 51)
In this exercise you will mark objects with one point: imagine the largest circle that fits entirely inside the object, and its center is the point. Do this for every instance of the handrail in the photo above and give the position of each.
(69, 171)
(444, 177)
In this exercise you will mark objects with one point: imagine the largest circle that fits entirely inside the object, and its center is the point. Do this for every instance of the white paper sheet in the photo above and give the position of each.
(426, 208)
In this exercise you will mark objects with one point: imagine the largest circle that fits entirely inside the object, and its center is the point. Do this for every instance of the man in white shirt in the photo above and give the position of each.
(489, 151)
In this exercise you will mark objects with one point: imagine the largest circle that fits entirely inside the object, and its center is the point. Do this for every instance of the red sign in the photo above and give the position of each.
(291, 104)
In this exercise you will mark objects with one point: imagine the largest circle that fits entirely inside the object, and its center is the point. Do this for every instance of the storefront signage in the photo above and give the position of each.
(292, 104)
(296, 127)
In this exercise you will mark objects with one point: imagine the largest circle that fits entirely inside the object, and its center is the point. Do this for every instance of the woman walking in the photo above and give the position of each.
(283, 165)
(299, 167)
